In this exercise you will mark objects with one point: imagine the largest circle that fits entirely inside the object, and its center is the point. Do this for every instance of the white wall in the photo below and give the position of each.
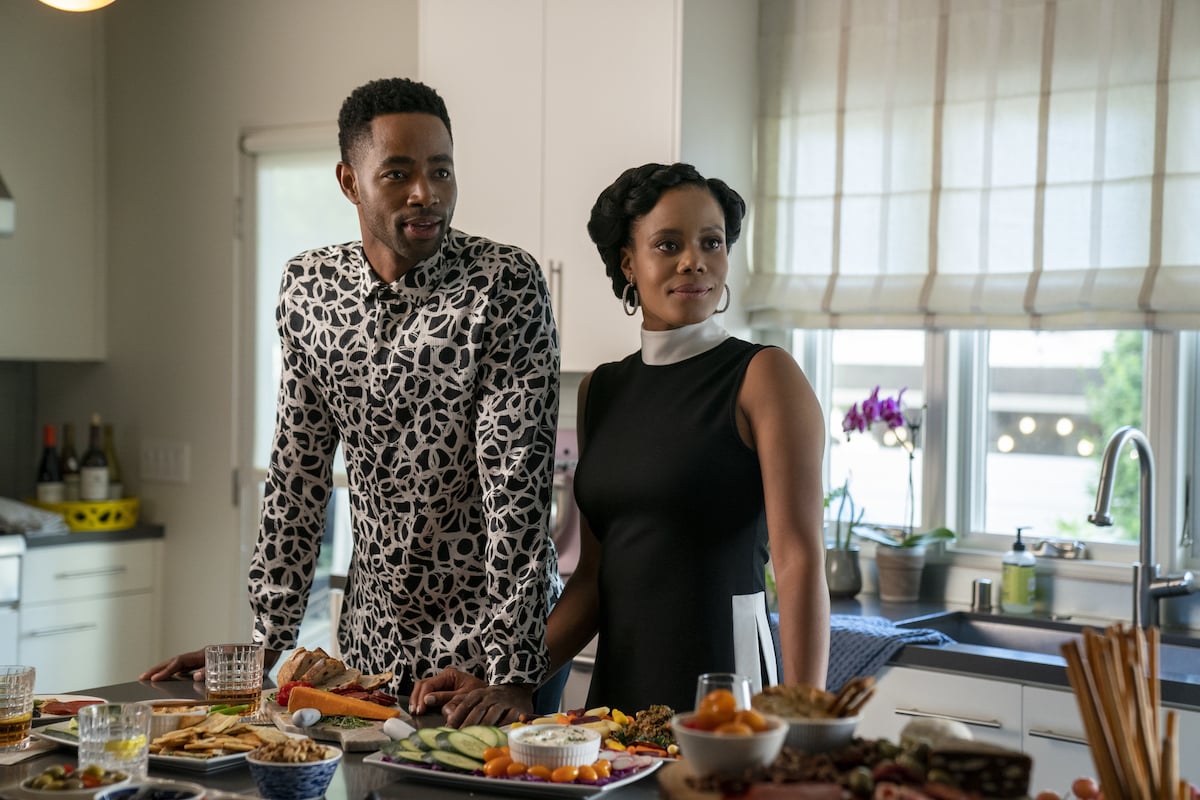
(181, 80)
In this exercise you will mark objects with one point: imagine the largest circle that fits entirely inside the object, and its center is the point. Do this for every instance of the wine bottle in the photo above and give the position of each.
(69, 460)
(116, 489)
(93, 471)
(50, 486)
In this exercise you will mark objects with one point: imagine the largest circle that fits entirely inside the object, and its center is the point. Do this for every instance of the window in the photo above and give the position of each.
(876, 463)
(1053, 400)
(296, 206)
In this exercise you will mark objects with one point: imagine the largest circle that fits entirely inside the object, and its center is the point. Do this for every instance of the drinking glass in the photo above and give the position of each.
(737, 685)
(233, 674)
(116, 736)
(16, 706)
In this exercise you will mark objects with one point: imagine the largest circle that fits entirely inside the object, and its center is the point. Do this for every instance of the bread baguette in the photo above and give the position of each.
(330, 704)
(296, 665)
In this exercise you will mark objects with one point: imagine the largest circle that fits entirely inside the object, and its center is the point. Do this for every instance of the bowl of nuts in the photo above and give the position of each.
(296, 769)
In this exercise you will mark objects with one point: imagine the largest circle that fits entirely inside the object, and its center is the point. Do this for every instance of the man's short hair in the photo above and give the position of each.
(385, 96)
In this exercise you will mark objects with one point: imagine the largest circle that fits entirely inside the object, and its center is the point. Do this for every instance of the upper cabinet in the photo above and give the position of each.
(550, 100)
(51, 157)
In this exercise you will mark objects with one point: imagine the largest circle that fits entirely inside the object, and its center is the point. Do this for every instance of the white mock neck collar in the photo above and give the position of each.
(660, 348)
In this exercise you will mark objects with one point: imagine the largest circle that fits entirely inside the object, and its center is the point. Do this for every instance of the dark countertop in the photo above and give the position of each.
(142, 531)
(1178, 689)
(353, 780)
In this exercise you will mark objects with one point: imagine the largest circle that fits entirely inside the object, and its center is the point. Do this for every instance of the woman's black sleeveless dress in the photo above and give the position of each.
(676, 499)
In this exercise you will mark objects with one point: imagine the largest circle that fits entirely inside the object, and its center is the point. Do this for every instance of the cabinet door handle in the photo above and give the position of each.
(584, 661)
(979, 723)
(1058, 737)
(90, 573)
(556, 290)
(64, 629)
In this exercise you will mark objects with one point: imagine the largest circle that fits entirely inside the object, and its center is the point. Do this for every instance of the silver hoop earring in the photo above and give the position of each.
(728, 298)
(629, 299)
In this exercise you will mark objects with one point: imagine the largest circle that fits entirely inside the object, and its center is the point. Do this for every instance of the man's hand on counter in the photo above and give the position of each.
(190, 666)
(467, 700)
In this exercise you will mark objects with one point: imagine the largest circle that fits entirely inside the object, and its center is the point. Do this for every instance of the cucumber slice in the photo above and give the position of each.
(492, 737)
(428, 738)
(411, 743)
(462, 743)
(415, 756)
(455, 761)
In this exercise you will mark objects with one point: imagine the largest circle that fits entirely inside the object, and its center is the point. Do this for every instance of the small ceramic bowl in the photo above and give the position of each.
(27, 788)
(709, 753)
(155, 789)
(554, 745)
(304, 780)
(820, 735)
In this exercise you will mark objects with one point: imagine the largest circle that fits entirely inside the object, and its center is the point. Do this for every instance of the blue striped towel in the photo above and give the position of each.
(862, 645)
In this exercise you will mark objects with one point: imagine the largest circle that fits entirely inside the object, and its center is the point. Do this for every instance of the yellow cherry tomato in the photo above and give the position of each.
(516, 768)
(587, 774)
(567, 773)
(494, 752)
(497, 767)
(603, 768)
(539, 771)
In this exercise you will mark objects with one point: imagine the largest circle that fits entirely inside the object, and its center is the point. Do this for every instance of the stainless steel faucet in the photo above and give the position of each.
(1148, 585)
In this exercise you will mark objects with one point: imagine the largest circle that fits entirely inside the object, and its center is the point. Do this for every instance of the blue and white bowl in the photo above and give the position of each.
(154, 789)
(305, 780)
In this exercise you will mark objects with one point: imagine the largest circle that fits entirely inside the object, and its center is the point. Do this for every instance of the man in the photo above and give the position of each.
(432, 357)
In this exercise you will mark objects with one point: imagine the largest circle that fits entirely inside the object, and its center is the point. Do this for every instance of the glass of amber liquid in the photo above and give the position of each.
(16, 706)
(233, 675)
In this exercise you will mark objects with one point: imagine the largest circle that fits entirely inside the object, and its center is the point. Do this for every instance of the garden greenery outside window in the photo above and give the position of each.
(990, 202)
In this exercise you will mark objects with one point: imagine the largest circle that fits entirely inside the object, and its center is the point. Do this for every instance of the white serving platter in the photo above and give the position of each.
(59, 734)
(514, 786)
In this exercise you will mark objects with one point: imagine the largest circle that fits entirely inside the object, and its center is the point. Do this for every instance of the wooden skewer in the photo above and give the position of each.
(1093, 722)
(1111, 702)
(1170, 758)
(1146, 736)
(1152, 648)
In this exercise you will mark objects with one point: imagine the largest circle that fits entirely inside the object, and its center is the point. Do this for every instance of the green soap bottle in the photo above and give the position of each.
(1018, 583)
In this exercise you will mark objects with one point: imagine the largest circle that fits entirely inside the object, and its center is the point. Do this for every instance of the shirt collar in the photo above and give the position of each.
(416, 285)
(660, 348)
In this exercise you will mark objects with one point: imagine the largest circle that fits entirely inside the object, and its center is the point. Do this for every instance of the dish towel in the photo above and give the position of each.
(862, 645)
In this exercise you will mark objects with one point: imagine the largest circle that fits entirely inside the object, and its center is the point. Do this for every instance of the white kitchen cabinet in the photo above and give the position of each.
(53, 298)
(1054, 738)
(90, 612)
(990, 709)
(550, 100)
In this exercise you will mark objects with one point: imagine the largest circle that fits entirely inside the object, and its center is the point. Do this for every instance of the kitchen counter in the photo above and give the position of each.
(1178, 689)
(353, 780)
(142, 531)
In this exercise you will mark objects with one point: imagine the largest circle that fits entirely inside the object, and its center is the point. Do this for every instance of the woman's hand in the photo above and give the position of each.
(435, 692)
(173, 667)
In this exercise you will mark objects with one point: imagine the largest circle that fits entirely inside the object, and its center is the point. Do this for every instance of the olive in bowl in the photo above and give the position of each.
(65, 782)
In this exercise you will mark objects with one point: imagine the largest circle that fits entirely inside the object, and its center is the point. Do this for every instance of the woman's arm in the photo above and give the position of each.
(780, 416)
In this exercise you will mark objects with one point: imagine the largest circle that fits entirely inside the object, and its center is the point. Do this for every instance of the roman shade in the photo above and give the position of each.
(978, 164)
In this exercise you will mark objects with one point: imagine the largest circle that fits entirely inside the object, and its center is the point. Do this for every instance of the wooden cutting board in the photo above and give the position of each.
(369, 738)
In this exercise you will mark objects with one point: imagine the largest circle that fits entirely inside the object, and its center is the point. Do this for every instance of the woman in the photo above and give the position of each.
(695, 452)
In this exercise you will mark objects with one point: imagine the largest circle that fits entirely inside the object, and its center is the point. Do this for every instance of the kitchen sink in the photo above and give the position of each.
(1178, 655)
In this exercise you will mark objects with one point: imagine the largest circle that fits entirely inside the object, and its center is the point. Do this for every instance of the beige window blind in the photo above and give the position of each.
(978, 164)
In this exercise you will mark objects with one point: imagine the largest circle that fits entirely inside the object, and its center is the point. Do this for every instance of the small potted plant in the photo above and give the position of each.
(842, 571)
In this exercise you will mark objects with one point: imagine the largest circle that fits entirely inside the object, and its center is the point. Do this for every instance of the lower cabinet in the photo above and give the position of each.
(89, 613)
(1043, 722)
(990, 709)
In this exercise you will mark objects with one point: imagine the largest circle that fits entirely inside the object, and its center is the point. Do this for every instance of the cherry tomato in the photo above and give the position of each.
(516, 768)
(756, 721)
(494, 752)
(539, 771)
(603, 767)
(567, 773)
(497, 767)
(1085, 788)
(588, 774)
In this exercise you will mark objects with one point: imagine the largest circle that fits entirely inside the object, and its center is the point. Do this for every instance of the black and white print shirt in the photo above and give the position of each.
(442, 388)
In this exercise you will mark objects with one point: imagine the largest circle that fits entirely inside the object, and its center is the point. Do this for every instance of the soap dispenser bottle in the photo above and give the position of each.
(1018, 583)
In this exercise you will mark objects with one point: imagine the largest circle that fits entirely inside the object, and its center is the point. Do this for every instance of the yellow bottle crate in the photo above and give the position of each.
(101, 515)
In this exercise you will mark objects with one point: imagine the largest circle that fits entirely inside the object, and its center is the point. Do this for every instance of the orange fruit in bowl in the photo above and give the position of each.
(717, 708)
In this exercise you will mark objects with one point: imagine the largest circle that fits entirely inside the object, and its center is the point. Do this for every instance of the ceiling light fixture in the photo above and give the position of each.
(77, 5)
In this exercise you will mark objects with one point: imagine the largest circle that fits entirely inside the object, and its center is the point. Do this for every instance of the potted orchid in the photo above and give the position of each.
(902, 555)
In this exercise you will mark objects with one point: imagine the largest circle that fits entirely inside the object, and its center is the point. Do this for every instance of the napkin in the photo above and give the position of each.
(863, 645)
(36, 748)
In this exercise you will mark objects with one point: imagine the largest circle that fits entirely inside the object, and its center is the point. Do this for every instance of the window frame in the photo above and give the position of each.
(956, 391)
